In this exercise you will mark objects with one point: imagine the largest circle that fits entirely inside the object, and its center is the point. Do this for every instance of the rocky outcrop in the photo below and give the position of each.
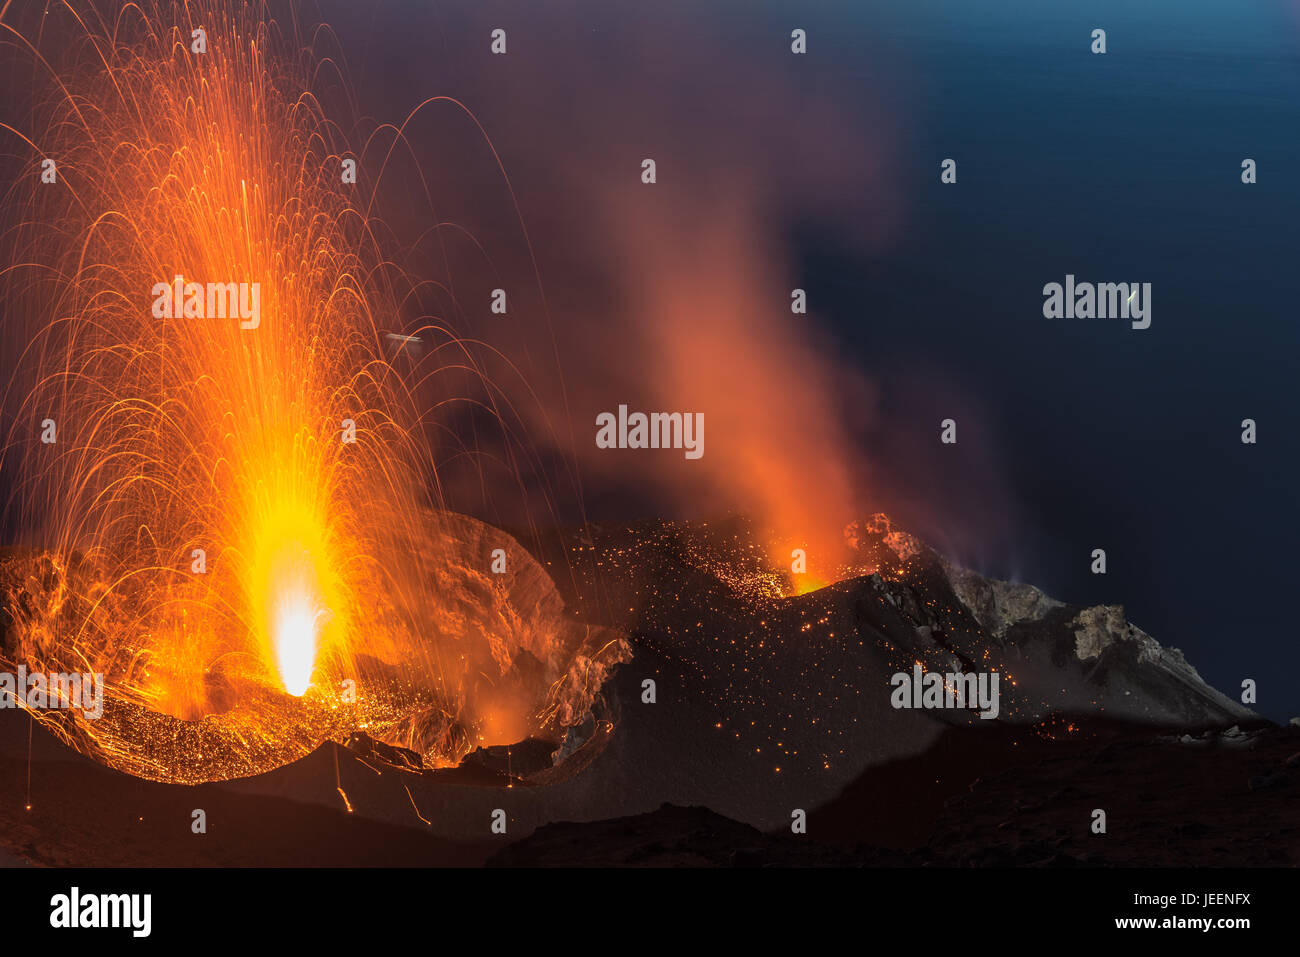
(998, 605)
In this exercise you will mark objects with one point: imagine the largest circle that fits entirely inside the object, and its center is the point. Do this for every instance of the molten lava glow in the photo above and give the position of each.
(228, 541)
(808, 583)
(205, 537)
(299, 602)
(296, 621)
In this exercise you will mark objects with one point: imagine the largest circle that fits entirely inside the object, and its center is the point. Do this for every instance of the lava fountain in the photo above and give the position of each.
(233, 520)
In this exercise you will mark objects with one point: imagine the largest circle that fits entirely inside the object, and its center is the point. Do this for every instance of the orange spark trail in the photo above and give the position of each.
(239, 509)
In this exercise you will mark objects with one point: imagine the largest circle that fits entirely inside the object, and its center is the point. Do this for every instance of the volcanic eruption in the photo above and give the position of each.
(235, 514)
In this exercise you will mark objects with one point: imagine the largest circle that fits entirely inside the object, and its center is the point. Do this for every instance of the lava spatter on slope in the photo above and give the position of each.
(762, 705)
(789, 681)
(495, 661)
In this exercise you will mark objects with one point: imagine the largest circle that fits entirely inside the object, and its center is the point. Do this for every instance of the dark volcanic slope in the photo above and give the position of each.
(1226, 801)
(767, 705)
(84, 815)
(1216, 800)
(695, 592)
(763, 705)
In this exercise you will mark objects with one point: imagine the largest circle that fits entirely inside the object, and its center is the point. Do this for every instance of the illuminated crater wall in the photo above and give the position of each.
(494, 660)
(241, 520)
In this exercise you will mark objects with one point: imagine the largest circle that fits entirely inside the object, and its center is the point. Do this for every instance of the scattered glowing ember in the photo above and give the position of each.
(240, 525)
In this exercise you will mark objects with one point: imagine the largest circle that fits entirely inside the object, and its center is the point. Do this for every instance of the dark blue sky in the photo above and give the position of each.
(1121, 167)
(1117, 167)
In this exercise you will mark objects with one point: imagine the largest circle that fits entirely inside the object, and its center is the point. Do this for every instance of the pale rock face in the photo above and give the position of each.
(869, 536)
(1104, 627)
(997, 605)
(1124, 671)
(1097, 628)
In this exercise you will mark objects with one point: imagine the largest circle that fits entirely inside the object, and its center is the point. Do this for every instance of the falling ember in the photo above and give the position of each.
(237, 513)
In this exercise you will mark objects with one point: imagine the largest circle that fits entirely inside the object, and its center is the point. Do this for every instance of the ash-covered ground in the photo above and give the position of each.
(763, 706)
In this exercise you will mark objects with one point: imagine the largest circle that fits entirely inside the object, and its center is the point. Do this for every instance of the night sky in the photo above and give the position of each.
(925, 298)
(1074, 434)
